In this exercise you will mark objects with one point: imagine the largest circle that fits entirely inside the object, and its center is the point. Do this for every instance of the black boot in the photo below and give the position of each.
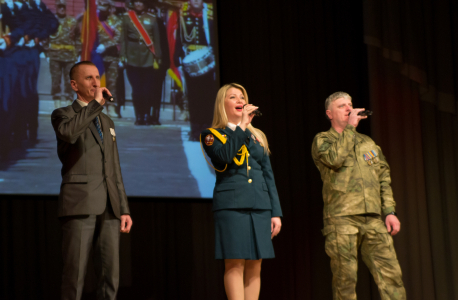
(139, 117)
(156, 112)
(153, 119)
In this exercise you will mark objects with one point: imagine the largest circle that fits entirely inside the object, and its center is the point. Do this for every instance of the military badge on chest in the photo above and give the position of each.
(113, 134)
(371, 157)
(254, 138)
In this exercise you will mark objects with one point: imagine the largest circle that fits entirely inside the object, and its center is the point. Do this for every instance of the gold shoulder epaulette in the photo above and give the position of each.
(218, 135)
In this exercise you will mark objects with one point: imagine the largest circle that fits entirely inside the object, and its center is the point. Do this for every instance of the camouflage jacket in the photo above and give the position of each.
(109, 33)
(356, 177)
(63, 44)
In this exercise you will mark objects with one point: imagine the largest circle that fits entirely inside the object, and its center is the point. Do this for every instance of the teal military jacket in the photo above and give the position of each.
(244, 177)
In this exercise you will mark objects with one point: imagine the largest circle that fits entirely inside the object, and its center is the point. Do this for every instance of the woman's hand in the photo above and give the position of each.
(275, 226)
(247, 115)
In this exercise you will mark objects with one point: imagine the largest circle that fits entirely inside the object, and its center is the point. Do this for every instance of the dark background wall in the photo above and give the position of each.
(289, 56)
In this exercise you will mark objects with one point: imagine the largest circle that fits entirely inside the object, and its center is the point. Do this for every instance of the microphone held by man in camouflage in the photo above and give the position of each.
(366, 113)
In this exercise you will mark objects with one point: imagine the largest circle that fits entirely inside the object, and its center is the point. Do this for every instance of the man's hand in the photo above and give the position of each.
(275, 226)
(392, 224)
(354, 119)
(21, 42)
(126, 223)
(98, 95)
(30, 43)
(2, 44)
(100, 49)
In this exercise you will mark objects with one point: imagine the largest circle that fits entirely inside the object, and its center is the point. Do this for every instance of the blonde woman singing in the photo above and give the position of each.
(245, 200)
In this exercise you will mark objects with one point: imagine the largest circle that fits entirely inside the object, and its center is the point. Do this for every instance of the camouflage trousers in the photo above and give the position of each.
(344, 236)
(111, 76)
(57, 68)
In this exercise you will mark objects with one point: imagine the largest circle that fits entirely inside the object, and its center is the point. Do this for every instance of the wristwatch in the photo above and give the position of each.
(391, 213)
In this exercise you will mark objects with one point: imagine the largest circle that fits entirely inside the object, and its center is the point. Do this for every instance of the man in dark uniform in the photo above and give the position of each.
(39, 23)
(141, 53)
(195, 33)
(93, 207)
(62, 53)
(10, 43)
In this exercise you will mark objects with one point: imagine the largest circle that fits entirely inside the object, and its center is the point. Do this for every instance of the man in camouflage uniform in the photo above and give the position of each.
(62, 53)
(356, 193)
(109, 32)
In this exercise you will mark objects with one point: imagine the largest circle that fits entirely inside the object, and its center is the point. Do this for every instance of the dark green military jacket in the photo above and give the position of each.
(247, 181)
(134, 52)
(356, 176)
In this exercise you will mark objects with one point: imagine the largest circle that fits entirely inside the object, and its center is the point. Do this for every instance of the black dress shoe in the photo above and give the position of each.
(152, 121)
(140, 121)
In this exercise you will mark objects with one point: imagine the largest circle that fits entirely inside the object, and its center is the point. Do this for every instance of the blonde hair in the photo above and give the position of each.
(220, 119)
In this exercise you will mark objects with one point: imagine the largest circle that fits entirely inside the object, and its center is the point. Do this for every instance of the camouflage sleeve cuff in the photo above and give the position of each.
(388, 210)
(350, 127)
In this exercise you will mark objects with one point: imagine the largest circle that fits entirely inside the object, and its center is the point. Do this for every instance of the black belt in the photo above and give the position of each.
(135, 40)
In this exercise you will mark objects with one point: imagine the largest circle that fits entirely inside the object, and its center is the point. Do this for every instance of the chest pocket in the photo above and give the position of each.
(340, 178)
(375, 169)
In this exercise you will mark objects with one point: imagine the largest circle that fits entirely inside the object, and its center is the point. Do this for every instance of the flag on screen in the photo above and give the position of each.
(90, 38)
(172, 26)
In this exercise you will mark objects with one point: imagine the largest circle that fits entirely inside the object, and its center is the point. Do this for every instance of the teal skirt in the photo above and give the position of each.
(243, 234)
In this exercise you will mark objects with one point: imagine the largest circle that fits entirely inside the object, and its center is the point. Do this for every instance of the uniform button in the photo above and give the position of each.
(248, 154)
(250, 181)
(249, 167)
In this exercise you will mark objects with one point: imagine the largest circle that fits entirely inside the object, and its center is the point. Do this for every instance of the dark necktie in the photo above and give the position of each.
(99, 129)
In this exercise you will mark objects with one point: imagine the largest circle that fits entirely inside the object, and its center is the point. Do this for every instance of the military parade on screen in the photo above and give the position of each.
(164, 50)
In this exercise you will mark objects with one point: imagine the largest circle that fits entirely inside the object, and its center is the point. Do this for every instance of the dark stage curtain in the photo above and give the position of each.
(290, 56)
(413, 60)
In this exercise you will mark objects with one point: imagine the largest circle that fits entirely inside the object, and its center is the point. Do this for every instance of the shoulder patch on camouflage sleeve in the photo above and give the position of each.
(324, 146)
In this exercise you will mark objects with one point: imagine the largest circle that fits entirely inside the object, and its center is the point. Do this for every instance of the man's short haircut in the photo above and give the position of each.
(334, 97)
(74, 69)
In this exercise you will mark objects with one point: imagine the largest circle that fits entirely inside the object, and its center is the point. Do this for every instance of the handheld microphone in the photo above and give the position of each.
(256, 112)
(107, 97)
(364, 113)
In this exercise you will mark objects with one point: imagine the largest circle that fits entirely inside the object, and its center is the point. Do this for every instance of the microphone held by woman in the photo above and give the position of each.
(256, 112)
